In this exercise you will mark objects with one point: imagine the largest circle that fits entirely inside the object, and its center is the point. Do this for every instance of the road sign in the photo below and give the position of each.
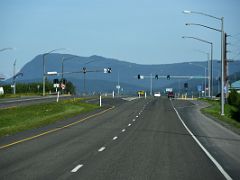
(52, 73)
(56, 85)
(63, 86)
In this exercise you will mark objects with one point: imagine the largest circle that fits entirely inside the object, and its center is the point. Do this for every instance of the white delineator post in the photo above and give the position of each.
(100, 101)
(57, 96)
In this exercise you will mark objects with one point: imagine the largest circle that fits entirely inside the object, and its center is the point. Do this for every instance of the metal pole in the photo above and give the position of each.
(62, 67)
(209, 78)
(205, 69)
(118, 84)
(14, 76)
(151, 84)
(44, 74)
(84, 82)
(222, 69)
(211, 75)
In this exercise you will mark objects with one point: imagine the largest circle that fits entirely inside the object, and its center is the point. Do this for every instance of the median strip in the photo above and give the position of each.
(54, 130)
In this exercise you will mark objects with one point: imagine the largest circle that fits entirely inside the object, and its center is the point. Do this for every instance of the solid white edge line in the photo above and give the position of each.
(220, 168)
(77, 168)
(101, 149)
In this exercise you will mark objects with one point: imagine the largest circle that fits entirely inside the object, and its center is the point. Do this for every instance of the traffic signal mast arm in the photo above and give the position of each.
(172, 77)
(108, 70)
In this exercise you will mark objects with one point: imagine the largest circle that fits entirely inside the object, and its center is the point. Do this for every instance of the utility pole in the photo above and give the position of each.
(226, 64)
(14, 74)
(118, 84)
(151, 84)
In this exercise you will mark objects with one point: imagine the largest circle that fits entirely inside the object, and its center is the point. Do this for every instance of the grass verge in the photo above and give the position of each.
(18, 119)
(214, 110)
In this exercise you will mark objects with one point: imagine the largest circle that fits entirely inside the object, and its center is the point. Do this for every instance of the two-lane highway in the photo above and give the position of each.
(139, 139)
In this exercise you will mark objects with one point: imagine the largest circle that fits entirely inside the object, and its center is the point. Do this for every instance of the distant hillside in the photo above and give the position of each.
(126, 72)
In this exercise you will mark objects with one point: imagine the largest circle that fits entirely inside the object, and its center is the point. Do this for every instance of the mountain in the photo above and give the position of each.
(123, 71)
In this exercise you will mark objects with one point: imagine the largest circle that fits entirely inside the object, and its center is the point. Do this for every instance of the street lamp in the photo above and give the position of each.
(45, 54)
(65, 59)
(84, 73)
(205, 73)
(222, 49)
(210, 69)
(1, 50)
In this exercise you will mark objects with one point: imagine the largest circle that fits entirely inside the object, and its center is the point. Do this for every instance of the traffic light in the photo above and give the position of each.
(63, 81)
(55, 81)
(139, 76)
(156, 76)
(84, 70)
(168, 77)
(109, 70)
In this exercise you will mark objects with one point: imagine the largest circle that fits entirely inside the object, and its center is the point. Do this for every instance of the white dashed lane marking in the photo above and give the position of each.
(77, 168)
(114, 138)
(134, 120)
(123, 130)
(129, 125)
(101, 149)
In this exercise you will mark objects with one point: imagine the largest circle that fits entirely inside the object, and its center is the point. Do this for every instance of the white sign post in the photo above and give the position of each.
(100, 101)
(57, 96)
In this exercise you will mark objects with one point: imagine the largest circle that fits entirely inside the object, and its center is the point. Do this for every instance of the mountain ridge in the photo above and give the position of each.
(122, 71)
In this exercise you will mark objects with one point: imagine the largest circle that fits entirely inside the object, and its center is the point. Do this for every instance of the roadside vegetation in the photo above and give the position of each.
(21, 118)
(232, 109)
(33, 89)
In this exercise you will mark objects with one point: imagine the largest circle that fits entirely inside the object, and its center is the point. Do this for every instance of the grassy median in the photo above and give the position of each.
(214, 110)
(18, 119)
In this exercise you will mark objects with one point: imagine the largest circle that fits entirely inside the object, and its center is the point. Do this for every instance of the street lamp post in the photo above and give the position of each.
(84, 73)
(210, 69)
(222, 50)
(45, 54)
(1, 50)
(205, 74)
(65, 59)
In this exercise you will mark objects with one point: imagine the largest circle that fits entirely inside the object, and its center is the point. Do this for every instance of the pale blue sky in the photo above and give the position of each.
(138, 31)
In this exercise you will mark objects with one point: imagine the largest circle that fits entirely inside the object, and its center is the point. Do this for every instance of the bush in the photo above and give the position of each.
(234, 100)
(35, 88)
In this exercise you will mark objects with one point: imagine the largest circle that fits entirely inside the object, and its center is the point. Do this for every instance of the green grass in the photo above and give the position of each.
(214, 110)
(18, 119)
(18, 95)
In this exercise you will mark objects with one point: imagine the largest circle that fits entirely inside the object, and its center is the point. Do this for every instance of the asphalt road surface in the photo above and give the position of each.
(141, 139)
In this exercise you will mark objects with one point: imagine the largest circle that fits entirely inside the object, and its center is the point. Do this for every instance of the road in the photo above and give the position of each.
(139, 139)
(24, 101)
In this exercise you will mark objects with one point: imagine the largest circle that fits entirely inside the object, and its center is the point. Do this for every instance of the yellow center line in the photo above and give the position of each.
(55, 129)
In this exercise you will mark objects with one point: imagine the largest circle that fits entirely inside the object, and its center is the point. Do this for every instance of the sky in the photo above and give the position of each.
(138, 31)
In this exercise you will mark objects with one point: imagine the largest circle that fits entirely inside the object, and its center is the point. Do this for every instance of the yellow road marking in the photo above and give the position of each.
(55, 129)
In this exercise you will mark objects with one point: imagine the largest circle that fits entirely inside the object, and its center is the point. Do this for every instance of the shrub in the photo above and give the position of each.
(234, 100)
